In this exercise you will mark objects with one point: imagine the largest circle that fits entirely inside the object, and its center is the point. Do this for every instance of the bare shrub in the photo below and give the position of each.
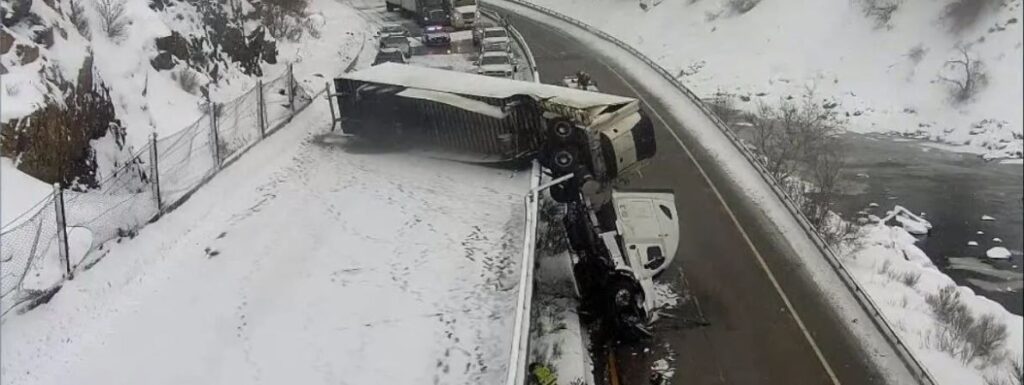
(986, 337)
(961, 334)
(909, 278)
(801, 139)
(113, 18)
(739, 7)
(968, 76)
(78, 19)
(881, 11)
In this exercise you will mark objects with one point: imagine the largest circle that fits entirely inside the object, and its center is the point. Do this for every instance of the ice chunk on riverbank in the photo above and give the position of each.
(998, 252)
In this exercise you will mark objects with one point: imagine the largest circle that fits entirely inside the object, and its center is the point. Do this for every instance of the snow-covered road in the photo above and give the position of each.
(305, 262)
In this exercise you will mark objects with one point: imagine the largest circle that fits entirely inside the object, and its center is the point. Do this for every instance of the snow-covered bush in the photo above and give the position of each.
(113, 18)
(961, 334)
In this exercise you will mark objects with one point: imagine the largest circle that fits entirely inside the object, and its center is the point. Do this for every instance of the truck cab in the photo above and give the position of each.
(464, 13)
(617, 250)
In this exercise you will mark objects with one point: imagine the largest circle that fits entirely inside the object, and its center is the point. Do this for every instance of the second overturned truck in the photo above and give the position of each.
(594, 136)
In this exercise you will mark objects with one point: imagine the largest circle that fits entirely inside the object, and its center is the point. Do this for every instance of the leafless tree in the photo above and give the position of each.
(968, 75)
(799, 146)
(113, 19)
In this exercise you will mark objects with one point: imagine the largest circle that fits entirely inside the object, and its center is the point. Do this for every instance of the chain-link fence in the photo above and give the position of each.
(47, 244)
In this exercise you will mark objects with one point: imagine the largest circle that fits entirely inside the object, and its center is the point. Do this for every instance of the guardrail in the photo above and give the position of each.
(518, 37)
(913, 364)
(521, 329)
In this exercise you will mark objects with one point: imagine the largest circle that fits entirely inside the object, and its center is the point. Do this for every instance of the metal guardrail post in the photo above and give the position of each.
(62, 230)
(262, 109)
(882, 323)
(153, 159)
(216, 137)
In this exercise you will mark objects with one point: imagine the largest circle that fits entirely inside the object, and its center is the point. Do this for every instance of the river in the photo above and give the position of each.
(954, 190)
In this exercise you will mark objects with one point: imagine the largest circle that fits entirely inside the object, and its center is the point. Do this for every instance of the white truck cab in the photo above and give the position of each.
(649, 226)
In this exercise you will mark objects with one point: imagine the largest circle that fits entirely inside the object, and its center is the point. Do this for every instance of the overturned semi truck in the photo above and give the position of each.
(594, 136)
(619, 239)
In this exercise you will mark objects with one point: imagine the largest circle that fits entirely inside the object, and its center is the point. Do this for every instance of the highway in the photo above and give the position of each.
(765, 322)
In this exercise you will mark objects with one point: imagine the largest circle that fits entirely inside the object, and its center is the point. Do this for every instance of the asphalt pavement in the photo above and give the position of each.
(733, 327)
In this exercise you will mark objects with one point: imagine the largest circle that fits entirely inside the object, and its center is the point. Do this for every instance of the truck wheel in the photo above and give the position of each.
(562, 131)
(564, 160)
(562, 194)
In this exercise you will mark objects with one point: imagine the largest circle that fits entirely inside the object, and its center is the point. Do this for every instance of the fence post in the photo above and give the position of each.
(62, 230)
(262, 110)
(153, 158)
(216, 137)
(327, 95)
(291, 91)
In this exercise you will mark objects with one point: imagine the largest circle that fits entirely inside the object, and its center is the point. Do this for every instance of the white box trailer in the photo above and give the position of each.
(594, 136)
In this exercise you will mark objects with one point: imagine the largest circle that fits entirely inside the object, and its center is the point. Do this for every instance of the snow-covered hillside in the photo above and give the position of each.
(885, 74)
(66, 74)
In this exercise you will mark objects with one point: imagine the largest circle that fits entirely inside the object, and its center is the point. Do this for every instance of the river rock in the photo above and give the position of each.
(998, 252)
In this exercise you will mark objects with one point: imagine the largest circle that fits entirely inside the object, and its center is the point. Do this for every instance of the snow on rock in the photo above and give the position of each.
(997, 240)
(872, 204)
(912, 223)
(972, 243)
(882, 73)
(998, 252)
(987, 218)
(979, 232)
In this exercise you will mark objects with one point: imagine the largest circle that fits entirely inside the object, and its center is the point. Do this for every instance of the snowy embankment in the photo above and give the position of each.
(908, 288)
(886, 77)
(307, 261)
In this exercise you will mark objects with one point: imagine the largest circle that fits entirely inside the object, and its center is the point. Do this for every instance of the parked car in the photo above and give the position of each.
(392, 55)
(392, 30)
(489, 34)
(497, 64)
(398, 42)
(435, 36)
(496, 46)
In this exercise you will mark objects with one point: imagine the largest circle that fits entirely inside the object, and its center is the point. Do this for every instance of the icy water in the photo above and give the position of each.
(954, 190)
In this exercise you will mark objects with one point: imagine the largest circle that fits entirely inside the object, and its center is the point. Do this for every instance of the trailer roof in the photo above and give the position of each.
(472, 84)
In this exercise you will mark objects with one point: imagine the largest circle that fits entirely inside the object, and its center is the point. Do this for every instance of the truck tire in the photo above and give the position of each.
(562, 131)
(562, 193)
(563, 160)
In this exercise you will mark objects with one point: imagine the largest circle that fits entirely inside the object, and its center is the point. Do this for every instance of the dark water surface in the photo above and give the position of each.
(954, 190)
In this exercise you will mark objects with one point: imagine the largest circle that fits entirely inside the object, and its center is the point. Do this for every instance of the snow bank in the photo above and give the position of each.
(19, 193)
(879, 261)
(886, 78)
